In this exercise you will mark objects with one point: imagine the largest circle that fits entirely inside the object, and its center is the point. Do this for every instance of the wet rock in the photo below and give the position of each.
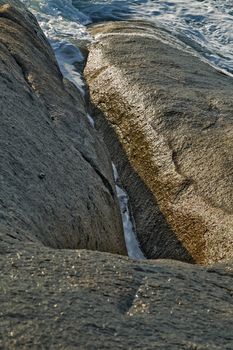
(64, 299)
(169, 117)
(56, 181)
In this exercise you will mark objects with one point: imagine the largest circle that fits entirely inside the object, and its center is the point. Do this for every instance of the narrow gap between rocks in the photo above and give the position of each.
(73, 71)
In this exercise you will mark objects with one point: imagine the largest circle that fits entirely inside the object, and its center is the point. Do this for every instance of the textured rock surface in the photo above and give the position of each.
(63, 299)
(173, 116)
(56, 189)
(56, 182)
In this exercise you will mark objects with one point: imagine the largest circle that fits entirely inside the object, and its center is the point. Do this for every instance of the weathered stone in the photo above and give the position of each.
(56, 181)
(56, 189)
(64, 299)
(169, 115)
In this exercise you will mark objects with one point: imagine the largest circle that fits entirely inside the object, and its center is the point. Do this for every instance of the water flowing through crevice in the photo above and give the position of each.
(203, 25)
(131, 241)
(67, 57)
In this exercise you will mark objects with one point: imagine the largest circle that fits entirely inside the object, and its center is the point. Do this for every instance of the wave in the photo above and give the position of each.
(205, 25)
(59, 19)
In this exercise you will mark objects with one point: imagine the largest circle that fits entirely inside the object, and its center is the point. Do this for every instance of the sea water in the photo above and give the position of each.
(204, 25)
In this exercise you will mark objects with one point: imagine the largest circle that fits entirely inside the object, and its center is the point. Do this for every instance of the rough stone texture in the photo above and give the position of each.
(56, 181)
(172, 114)
(56, 189)
(64, 299)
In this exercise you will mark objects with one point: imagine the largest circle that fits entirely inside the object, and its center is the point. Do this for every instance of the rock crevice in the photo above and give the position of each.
(57, 191)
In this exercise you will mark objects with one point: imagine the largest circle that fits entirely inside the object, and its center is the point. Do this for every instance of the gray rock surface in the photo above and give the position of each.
(56, 181)
(67, 299)
(169, 117)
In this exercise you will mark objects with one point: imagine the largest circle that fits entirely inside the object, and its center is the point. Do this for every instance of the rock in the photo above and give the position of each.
(57, 191)
(168, 115)
(67, 299)
(56, 181)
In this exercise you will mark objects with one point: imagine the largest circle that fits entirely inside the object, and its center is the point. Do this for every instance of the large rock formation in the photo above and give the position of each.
(57, 191)
(56, 181)
(169, 117)
(60, 299)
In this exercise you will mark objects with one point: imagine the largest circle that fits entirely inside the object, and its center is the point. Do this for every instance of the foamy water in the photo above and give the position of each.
(132, 245)
(205, 25)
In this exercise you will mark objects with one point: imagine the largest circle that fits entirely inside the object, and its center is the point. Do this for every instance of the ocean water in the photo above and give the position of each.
(204, 25)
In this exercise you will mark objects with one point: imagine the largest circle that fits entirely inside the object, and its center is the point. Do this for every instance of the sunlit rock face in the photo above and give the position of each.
(56, 180)
(169, 116)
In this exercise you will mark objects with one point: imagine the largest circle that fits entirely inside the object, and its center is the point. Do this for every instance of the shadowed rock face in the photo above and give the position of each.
(59, 299)
(56, 182)
(170, 116)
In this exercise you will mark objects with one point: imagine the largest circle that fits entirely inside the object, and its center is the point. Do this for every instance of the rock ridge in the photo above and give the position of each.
(57, 186)
(171, 115)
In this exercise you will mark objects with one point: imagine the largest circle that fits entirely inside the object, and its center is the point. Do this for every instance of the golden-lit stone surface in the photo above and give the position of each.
(169, 116)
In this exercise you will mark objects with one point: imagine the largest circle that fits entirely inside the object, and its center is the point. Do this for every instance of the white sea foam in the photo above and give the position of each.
(131, 241)
(65, 27)
(59, 19)
(205, 25)
(91, 120)
(67, 56)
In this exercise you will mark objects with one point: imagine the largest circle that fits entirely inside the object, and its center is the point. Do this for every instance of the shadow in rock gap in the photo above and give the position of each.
(156, 238)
